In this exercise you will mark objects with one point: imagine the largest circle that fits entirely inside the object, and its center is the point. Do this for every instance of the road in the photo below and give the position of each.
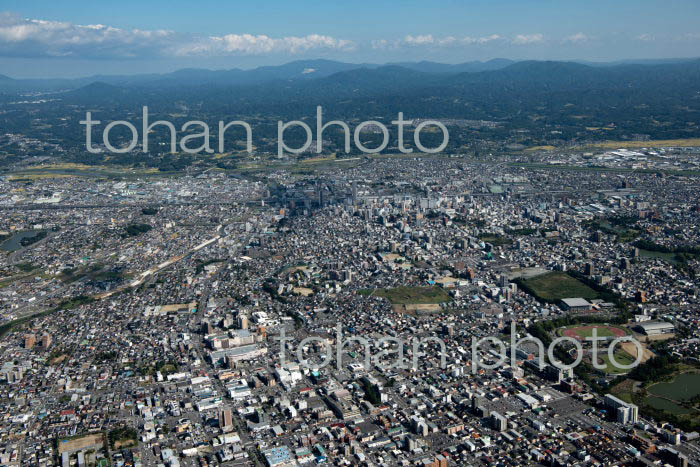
(247, 442)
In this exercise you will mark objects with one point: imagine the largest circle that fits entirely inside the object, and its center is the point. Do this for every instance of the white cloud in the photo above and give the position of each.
(33, 37)
(40, 38)
(578, 38)
(419, 40)
(430, 40)
(645, 37)
(248, 44)
(382, 44)
(481, 40)
(525, 39)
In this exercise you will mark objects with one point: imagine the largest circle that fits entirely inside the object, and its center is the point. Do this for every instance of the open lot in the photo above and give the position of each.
(631, 349)
(554, 286)
(410, 295)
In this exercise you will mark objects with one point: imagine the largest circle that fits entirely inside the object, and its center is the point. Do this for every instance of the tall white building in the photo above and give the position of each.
(624, 411)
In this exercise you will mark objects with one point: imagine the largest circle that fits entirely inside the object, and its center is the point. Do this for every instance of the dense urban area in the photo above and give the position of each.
(154, 318)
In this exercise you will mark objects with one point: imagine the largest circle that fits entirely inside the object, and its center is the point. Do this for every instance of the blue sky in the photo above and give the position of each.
(76, 38)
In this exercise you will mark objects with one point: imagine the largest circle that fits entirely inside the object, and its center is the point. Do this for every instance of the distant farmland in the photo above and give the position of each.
(658, 143)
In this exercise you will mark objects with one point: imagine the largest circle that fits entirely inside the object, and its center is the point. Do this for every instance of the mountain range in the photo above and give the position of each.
(299, 72)
(660, 99)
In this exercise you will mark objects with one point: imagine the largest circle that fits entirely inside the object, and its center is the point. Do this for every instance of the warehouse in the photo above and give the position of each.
(655, 328)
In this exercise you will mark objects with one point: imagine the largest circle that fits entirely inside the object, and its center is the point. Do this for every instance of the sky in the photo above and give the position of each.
(47, 39)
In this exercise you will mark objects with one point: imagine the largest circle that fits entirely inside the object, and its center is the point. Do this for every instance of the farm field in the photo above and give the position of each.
(659, 143)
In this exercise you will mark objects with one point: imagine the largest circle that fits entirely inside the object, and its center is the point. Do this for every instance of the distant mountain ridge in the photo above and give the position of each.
(570, 98)
(311, 70)
(542, 101)
(564, 91)
(435, 67)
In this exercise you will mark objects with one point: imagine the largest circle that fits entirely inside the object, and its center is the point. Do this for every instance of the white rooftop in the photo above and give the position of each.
(575, 302)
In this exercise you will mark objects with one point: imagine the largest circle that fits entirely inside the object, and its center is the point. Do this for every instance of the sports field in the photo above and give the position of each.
(584, 331)
(554, 286)
(581, 332)
(621, 357)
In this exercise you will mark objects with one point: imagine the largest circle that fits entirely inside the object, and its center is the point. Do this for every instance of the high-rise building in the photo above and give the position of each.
(46, 341)
(478, 406)
(674, 457)
(29, 341)
(498, 422)
(242, 322)
(589, 269)
(226, 420)
(622, 414)
(624, 411)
